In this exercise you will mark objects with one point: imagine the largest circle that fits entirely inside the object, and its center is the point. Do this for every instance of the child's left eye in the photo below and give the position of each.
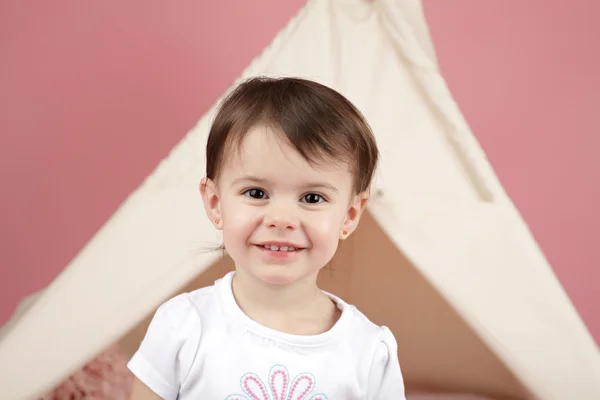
(312, 198)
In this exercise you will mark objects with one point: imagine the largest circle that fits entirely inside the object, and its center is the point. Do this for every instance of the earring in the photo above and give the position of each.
(217, 221)
(344, 232)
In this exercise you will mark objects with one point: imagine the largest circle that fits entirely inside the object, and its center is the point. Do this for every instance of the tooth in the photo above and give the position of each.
(291, 249)
(283, 248)
(274, 248)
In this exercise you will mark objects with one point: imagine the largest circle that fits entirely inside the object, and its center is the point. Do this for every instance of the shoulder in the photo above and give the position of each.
(385, 379)
(178, 320)
(365, 330)
(166, 354)
(379, 338)
(377, 348)
(385, 375)
(386, 346)
(186, 307)
(176, 316)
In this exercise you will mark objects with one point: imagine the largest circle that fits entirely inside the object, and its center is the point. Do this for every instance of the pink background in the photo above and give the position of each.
(94, 94)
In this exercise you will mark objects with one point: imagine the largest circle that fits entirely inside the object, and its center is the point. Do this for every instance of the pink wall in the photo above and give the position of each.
(95, 94)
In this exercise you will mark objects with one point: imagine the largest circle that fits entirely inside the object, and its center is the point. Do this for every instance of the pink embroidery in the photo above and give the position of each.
(297, 383)
(246, 385)
(278, 386)
(279, 394)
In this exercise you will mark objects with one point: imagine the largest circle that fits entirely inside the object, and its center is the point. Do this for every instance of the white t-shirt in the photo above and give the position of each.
(201, 345)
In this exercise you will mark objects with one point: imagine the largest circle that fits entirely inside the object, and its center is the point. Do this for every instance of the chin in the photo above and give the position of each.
(279, 275)
(277, 280)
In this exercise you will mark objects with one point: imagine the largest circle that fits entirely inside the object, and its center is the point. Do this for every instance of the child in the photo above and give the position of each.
(289, 164)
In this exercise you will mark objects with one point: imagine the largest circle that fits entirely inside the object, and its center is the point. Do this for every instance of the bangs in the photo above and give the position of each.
(316, 121)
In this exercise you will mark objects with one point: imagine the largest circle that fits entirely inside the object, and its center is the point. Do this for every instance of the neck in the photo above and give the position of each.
(256, 296)
(301, 308)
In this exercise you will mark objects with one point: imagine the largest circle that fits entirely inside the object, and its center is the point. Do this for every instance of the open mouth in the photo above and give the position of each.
(282, 249)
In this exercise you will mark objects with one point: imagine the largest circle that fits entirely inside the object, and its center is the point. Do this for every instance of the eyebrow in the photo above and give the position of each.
(250, 178)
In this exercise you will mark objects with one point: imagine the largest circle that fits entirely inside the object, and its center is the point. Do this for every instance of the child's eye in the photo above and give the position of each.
(313, 198)
(257, 194)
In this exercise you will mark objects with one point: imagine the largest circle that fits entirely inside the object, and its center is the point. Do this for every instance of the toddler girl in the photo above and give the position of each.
(289, 165)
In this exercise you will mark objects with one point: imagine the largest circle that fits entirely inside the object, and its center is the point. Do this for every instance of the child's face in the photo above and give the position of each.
(268, 194)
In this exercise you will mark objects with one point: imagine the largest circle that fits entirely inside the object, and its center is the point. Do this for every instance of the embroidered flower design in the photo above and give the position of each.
(278, 387)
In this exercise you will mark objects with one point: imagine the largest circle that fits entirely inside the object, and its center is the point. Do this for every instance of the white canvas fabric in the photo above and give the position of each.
(436, 198)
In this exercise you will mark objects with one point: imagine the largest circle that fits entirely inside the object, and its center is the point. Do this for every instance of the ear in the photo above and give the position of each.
(212, 204)
(353, 215)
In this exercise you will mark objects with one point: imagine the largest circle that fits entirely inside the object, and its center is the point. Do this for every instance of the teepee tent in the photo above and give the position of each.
(442, 257)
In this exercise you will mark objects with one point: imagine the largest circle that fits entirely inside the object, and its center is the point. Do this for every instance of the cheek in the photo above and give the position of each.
(323, 231)
(239, 221)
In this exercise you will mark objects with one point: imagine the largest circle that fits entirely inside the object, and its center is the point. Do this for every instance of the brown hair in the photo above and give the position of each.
(320, 123)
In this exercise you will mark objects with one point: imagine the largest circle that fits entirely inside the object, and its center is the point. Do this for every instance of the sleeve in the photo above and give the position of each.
(165, 355)
(385, 377)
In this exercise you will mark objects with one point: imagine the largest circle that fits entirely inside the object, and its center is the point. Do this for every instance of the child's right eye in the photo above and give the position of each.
(257, 194)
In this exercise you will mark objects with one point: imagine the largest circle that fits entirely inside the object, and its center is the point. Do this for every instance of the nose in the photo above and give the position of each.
(281, 219)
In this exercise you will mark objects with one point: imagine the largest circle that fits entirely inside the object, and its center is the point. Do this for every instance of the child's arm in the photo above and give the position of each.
(385, 379)
(139, 391)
